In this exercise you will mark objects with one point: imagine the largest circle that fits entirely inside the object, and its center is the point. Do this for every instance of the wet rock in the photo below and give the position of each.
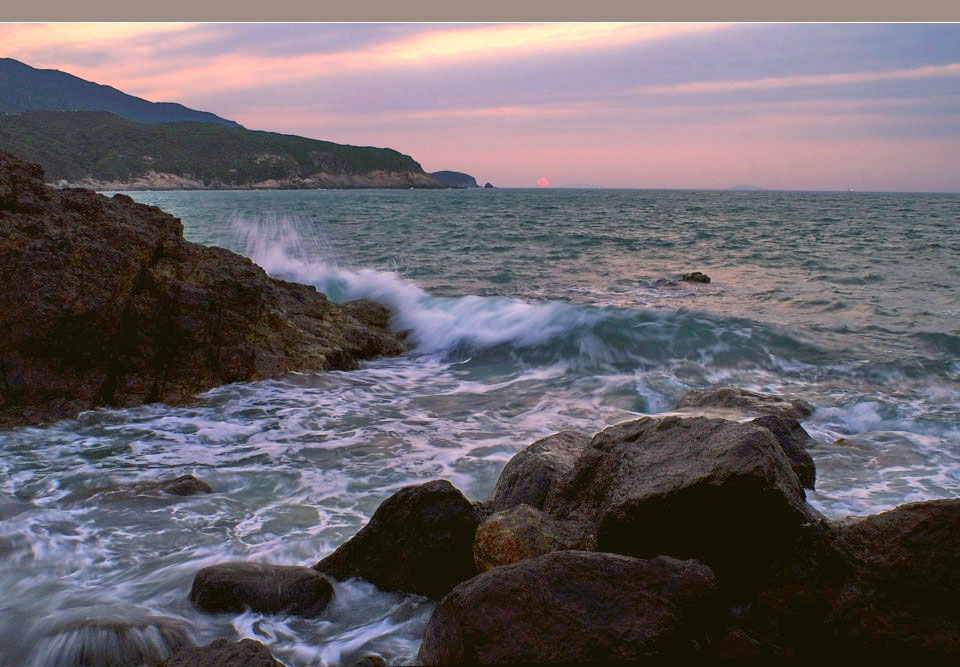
(794, 441)
(223, 653)
(105, 303)
(185, 485)
(745, 402)
(533, 471)
(523, 532)
(696, 277)
(719, 491)
(110, 641)
(663, 282)
(371, 660)
(880, 586)
(574, 606)
(420, 540)
(268, 589)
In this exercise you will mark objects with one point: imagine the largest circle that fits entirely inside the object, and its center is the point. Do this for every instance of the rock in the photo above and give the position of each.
(793, 440)
(663, 282)
(523, 532)
(420, 540)
(92, 639)
(105, 303)
(533, 471)
(719, 491)
(222, 653)
(371, 660)
(488, 185)
(696, 277)
(185, 485)
(879, 586)
(574, 606)
(745, 402)
(454, 179)
(268, 589)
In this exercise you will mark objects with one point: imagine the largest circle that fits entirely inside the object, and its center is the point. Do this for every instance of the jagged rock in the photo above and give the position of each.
(696, 277)
(743, 402)
(105, 303)
(533, 471)
(879, 586)
(420, 540)
(793, 440)
(719, 491)
(185, 485)
(574, 606)
(523, 532)
(132, 639)
(269, 589)
(222, 653)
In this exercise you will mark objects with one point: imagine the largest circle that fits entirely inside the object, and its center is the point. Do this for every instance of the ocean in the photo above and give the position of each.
(527, 312)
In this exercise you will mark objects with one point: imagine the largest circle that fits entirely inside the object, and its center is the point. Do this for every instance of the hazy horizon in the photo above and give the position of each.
(872, 107)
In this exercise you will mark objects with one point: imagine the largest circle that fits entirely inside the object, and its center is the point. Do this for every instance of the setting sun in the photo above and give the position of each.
(543, 182)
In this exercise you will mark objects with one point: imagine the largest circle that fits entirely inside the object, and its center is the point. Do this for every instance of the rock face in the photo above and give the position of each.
(523, 532)
(794, 441)
(719, 491)
(105, 303)
(269, 589)
(574, 606)
(745, 402)
(420, 540)
(454, 179)
(533, 472)
(221, 653)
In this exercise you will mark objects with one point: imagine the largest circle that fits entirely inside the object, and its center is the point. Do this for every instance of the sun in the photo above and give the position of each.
(543, 182)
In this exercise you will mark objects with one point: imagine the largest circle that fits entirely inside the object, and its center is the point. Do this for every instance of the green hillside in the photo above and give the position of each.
(73, 145)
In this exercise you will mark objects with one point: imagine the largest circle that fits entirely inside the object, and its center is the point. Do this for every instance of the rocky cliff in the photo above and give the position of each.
(103, 302)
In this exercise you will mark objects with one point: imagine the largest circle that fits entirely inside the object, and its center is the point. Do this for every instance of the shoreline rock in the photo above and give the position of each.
(106, 304)
(261, 587)
(223, 653)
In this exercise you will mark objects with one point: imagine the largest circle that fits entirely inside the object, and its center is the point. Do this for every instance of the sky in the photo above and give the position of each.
(688, 105)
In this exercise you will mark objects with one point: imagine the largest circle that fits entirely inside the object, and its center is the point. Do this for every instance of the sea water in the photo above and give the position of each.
(527, 311)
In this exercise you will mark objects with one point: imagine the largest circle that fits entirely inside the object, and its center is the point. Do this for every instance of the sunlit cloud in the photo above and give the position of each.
(20, 38)
(952, 69)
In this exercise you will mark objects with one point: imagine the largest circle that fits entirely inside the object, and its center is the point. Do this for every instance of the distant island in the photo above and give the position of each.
(85, 134)
(746, 188)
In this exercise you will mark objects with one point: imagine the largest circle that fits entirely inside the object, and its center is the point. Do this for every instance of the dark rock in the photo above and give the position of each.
(745, 402)
(105, 303)
(880, 586)
(696, 277)
(132, 639)
(523, 532)
(221, 653)
(574, 606)
(371, 660)
(663, 282)
(533, 471)
(793, 440)
(488, 185)
(185, 485)
(454, 179)
(420, 540)
(719, 491)
(268, 589)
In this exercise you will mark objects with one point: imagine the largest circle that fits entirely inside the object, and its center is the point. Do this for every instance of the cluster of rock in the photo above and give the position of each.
(105, 303)
(685, 534)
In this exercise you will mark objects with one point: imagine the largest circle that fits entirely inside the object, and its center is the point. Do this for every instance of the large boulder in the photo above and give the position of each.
(744, 402)
(264, 588)
(718, 491)
(574, 606)
(794, 441)
(420, 540)
(223, 653)
(882, 585)
(105, 303)
(533, 471)
(523, 532)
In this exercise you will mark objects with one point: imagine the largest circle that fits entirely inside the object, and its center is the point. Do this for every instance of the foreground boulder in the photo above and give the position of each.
(268, 589)
(718, 491)
(221, 653)
(420, 540)
(877, 586)
(745, 402)
(523, 532)
(105, 303)
(574, 606)
(533, 471)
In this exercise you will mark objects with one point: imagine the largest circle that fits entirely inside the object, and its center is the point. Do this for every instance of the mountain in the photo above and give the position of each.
(100, 150)
(455, 179)
(25, 88)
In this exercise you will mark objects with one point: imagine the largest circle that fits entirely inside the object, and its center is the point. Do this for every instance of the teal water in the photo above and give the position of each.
(531, 311)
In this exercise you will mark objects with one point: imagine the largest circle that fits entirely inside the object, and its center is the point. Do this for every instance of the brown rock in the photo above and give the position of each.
(523, 532)
(745, 402)
(269, 589)
(533, 471)
(222, 653)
